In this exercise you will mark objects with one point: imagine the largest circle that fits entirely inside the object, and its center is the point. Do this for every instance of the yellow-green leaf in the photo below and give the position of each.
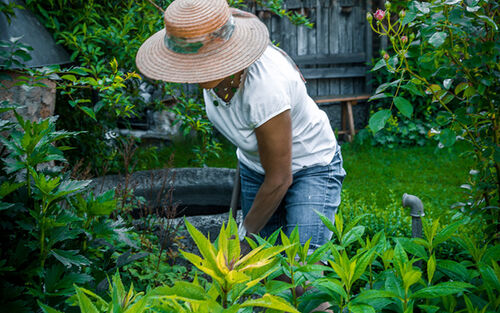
(271, 302)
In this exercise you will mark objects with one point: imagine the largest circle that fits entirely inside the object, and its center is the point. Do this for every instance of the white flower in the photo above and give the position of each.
(110, 135)
(434, 131)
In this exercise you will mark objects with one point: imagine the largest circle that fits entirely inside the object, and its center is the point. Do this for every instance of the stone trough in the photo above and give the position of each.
(202, 195)
(195, 191)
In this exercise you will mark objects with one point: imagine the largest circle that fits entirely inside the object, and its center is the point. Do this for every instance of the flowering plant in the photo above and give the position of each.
(447, 52)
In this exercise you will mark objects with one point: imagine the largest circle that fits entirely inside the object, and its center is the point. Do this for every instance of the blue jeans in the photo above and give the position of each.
(314, 188)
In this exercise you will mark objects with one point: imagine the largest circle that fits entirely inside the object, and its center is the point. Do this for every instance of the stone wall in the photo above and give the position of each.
(34, 102)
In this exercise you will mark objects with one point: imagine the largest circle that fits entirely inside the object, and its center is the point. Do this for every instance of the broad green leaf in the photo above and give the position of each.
(138, 307)
(69, 186)
(9, 187)
(366, 296)
(443, 118)
(378, 120)
(461, 87)
(47, 309)
(410, 278)
(89, 112)
(429, 308)
(489, 277)
(400, 256)
(491, 254)
(328, 223)
(270, 302)
(71, 78)
(204, 245)
(489, 21)
(5, 205)
(384, 86)
(181, 290)
(452, 269)
(394, 285)
(431, 268)
(331, 285)
(362, 264)
(86, 306)
(440, 290)
(380, 96)
(360, 308)
(378, 65)
(447, 137)
(409, 17)
(412, 247)
(352, 235)
(437, 39)
(69, 257)
(404, 106)
(445, 233)
(433, 89)
(412, 88)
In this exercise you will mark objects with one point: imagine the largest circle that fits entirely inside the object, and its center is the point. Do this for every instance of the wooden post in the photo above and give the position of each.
(351, 120)
(235, 196)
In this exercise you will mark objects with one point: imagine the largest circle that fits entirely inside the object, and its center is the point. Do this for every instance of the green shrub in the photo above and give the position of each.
(383, 275)
(447, 52)
(54, 233)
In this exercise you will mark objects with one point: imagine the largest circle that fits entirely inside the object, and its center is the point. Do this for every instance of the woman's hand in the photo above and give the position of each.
(274, 139)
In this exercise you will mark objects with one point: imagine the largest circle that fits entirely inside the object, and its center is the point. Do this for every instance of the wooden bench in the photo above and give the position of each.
(348, 65)
(347, 118)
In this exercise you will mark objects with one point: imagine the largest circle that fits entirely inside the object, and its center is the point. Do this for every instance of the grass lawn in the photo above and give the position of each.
(377, 176)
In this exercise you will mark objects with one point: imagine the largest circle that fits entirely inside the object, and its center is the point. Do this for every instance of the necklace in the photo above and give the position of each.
(227, 88)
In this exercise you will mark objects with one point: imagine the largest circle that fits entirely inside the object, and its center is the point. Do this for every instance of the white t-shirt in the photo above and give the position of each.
(272, 85)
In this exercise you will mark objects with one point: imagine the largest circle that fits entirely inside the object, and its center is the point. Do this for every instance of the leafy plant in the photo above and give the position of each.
(454, 48)
(52, 235)
(122, 301)
(233, 274)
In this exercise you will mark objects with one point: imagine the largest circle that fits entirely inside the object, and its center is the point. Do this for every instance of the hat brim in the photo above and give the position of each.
(247, 43)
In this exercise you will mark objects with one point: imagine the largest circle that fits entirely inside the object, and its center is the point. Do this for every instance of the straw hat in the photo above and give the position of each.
(203, 40)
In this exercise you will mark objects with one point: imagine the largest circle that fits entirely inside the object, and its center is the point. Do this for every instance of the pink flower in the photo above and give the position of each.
(379, 15)
(404, 39)
(386, 56)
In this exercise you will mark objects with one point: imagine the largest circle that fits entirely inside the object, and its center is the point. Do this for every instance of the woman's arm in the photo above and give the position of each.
(274, 140)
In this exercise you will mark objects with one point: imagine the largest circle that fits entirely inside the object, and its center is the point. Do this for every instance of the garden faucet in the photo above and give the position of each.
(416, 212)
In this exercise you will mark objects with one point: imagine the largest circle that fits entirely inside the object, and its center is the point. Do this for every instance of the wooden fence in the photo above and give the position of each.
(333, 54)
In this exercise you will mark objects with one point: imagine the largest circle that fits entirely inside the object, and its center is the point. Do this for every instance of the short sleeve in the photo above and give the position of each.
(266, 95)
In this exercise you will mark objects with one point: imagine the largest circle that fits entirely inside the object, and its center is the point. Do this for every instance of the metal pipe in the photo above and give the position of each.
(416, 213)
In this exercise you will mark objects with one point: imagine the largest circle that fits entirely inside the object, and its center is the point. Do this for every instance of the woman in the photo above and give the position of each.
(291, 165)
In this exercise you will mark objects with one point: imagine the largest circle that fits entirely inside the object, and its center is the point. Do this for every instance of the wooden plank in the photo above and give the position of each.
(312, 86)
(301, 40)
(346, 72)
(334, 43)
(293, 4)
(275, 29)
(368, 45)
(341, 98)
(323, 42)
(339, 58)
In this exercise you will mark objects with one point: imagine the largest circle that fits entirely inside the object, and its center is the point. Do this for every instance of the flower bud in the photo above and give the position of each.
(387, 5)
(379, 15)
(386, 56)
(412, 36)
(391, 38)
(404, 39)
(402, 13)
(369, 17)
